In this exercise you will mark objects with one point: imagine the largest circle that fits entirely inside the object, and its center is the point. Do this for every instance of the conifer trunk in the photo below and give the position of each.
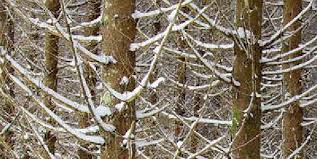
(119, 30)
(247, 70)
(293, 116)
(50, 80)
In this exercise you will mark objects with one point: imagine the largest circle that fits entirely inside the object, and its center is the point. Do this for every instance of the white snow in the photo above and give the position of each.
(144, 143)
(124, 81)
(38, 82)
(290, 100)
(179, 144)
(140, 114)
(171, 16)
(243, 33)
(120, 106)
(138, 14)
(87, 24)
(156, 50)
(282, 30)
(103, 111)
(80, 135)
(156, 83)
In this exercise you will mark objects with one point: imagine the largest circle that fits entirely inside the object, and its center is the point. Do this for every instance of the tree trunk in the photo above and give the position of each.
(50, 80)
(247, 70)
(119, 30)
(93, 9)
(293, 116)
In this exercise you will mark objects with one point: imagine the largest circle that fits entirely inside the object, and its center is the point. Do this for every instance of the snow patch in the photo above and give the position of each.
(124, 81)
(26, 136)
(156, 83)
(103, 111)
(134, 47)
(137, 14)
(120, 106)
(171, 17)
(243, 33)
(157, 49)
(179, 144)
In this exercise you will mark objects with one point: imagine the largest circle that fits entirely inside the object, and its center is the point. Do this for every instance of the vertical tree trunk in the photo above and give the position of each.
(293, 117)
(93, 9)
(119, 30)
(247, 70)
(50, 80)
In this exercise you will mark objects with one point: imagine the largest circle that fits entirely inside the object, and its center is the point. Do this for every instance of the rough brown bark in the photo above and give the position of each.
(293, 116)
(119, 30)
(50, 80)
(93, 9)
(247, 70)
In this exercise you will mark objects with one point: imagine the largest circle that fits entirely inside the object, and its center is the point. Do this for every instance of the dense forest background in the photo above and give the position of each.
(188, 79)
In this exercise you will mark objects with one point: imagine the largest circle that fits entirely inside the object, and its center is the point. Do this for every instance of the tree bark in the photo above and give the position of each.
(50, 80)
(293, 116)
(247, 70)
(119, 30)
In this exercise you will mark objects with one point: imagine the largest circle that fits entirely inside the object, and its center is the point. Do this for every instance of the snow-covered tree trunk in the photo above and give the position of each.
(247, 71)
(293, 116)
(51, 61)
(118, 30)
